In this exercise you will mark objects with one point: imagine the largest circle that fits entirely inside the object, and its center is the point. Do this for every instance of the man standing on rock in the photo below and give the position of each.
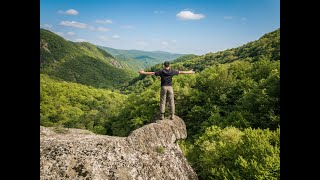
(166, 86)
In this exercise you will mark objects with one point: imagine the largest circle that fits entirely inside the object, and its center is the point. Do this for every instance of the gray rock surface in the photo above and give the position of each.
(150, 152)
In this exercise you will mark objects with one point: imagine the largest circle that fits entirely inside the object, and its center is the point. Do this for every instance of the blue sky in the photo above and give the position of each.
(179, 26)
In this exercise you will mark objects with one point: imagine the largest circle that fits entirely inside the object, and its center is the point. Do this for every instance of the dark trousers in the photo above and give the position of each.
(163, 96)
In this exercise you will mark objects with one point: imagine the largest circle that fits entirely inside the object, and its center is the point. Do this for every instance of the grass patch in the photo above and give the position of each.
(160, 149)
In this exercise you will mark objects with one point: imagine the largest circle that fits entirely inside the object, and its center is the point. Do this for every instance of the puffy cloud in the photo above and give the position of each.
(189, 15)
(73, 24)
(106, 21)
(69, 12)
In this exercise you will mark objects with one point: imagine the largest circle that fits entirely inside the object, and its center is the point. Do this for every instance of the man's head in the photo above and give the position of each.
(166, 64)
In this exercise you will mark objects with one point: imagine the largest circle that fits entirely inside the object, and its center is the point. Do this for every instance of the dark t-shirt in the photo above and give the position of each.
(166, 76)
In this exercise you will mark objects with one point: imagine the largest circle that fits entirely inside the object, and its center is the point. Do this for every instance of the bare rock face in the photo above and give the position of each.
(150, 152)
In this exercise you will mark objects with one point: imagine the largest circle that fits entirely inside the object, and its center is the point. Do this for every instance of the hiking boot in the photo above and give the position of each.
(171, 117)
(161, 116)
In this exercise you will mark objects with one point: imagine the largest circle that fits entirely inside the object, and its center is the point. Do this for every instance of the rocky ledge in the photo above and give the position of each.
(150, 152)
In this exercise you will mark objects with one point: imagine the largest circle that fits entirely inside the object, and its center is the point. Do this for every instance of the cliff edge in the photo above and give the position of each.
(150, 152)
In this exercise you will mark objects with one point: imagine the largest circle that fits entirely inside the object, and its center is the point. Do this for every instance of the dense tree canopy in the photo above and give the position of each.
(77, 106)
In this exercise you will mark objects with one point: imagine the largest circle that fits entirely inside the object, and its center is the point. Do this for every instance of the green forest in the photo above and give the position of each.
(231, 105)
(81, 63)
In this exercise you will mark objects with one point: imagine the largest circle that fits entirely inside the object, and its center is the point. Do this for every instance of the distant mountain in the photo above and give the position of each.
(81, 62)
(141, 59)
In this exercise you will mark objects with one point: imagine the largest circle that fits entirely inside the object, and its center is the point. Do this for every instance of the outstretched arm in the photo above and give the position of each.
(147, 73)
(186, 72)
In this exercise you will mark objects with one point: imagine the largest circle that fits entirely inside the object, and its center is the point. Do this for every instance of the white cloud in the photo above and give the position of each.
(188, 15)
(46, 26)
(59, 33)
(164, 43)
(71, 33)
(244, 19)
(80, 40)
(69, 12)
(227, 17)
(72, 12)
(73, 24)
(115, 36)
(174, 41)
(102, 29)
(106, 21)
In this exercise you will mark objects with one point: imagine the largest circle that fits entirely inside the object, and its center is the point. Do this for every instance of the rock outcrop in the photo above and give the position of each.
(150, 152)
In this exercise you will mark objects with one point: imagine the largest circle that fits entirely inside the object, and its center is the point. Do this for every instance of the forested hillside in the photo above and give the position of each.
(74, 105)
(231, 108)
(132, 63)
(82, 63)
(266, 48)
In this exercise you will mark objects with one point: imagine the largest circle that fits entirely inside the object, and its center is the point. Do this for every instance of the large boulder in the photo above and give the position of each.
(150, 152)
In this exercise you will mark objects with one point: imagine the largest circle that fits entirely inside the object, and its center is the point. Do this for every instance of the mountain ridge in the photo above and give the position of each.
(267, 47)
(150, 57)
(80, 62)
